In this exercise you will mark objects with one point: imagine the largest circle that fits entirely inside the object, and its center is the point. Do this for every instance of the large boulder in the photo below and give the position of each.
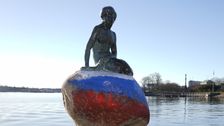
(99, 98)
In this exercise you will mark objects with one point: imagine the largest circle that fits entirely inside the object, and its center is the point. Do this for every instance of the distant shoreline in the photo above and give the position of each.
(27, 89)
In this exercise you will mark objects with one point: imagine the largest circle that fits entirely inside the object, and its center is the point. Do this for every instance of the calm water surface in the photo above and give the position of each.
(46, 109)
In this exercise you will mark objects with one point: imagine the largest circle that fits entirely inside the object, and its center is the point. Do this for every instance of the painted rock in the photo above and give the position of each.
(96, 98)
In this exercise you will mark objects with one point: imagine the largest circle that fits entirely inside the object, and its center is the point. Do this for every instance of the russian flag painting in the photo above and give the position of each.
(99, 98)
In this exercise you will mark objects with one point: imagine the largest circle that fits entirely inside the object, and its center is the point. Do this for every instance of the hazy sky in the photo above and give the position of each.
(42, 42)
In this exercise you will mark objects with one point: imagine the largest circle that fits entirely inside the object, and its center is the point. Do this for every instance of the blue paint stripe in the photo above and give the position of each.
(109, 84)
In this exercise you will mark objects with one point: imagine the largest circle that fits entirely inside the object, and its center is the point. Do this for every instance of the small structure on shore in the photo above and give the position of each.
(107, 94)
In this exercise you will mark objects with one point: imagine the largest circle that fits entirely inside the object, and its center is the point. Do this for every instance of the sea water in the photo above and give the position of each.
(47, 109)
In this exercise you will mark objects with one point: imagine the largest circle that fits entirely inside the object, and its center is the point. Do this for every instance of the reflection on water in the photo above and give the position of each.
(186, 111)
(44, 109)
(32, 109)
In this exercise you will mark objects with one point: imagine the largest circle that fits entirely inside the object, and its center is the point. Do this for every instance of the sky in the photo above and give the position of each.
(42, 42)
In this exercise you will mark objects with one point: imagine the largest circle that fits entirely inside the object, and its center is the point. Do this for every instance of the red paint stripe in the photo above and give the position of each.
(107, 108)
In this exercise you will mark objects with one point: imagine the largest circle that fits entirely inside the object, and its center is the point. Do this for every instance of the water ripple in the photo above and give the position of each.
(43, 109)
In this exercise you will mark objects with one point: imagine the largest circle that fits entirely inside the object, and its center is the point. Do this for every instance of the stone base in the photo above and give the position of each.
(95, 98)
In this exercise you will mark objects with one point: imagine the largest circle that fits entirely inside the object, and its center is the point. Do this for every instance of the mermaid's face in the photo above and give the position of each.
(109, 20)
(108, 15)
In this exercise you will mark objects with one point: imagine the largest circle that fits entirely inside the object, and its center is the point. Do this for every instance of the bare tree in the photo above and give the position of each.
(218, 80)
(146, 81)
(154, 78)
(158, 78)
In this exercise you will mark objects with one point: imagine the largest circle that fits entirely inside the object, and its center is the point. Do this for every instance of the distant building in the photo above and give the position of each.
(210, 82)
(204, 82)
(193, 83)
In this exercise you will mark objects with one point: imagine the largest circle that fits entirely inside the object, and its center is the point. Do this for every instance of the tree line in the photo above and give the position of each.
(153, 83)
(26, 89)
